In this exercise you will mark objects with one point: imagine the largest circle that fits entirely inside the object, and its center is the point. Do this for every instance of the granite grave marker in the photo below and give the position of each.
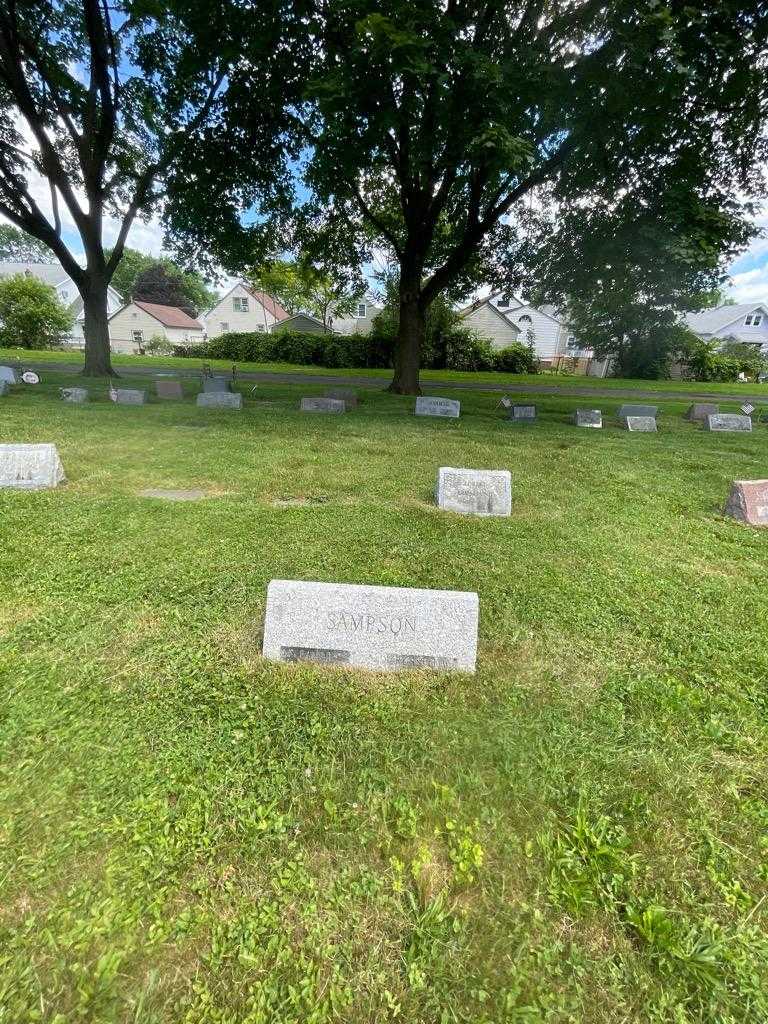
(522, 413)
(427, 405)
(169, 389)
(8, 374)
(220, 400)
(128, 396)
(383, 628)
(638, 410)
(478, 492)
(216, 384)
(322, 405)
(728, 423)
(75, 395)
(748, 502)
(698, 411)
(346, 395)
(588, 418)
(640, 424)
(30, 467)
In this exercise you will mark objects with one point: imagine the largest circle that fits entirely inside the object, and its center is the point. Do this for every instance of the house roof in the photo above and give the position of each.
(546, 310)
(52, 274)
(304, 316)
(707, 321)
(269, 303)
(479, 303)
(168, 316)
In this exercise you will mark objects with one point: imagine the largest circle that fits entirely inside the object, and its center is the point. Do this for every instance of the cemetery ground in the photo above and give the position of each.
(578, 832)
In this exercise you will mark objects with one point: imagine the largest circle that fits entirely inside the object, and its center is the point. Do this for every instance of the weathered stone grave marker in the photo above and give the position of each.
(641, 424)
(75, 395)
(322, 405)
(8, 374)
(638, 410)
(128, 396)
(522, 413)
(588, 418)
(348, 396)
(427, 405)
(220, 400)
(698, 411)
(30, 467)
(478, 492)
(169, 389)
(383, 628)
(748, 502)
(728, 423)
(216, 384)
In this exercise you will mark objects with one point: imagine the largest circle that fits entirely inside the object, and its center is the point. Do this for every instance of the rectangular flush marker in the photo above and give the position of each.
(383, 628)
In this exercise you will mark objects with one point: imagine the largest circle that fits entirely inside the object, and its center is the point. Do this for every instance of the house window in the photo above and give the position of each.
(571, 341)
(361, 309)
(525, 319)
(223, 327)
(260, 327)
(240, 304)
(138, 336)
(753, 320)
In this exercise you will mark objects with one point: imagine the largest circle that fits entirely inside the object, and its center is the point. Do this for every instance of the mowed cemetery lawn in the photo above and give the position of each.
(577, 833)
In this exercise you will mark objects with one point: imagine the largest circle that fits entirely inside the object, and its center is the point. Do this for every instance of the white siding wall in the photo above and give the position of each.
(487, 323)
(357, 324)
(256, 319)
(133, 318)
(549, 336)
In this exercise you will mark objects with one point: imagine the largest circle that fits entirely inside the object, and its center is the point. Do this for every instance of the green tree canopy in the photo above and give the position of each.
(302, 287)
(190, 287)
(17, 246)
(31, 315)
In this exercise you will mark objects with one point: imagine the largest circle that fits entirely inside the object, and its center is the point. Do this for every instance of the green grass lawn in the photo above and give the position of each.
(577, 833)
(123, 366)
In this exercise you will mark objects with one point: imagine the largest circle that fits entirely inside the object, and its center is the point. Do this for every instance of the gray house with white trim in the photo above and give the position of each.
(746, 321)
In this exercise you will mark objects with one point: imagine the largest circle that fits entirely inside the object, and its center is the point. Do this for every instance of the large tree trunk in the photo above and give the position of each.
(96, 329)
(410, 337)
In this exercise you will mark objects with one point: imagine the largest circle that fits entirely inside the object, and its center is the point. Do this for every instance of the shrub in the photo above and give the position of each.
(703, 362)
(31, 315)
(464, 350)
(159, 346)
(515, 358)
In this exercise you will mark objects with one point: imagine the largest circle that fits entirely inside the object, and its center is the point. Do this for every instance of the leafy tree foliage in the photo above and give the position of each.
(106, 101)
(302, 287)
(19, 247)
(439, 131)
(195, 292)
(31, 315)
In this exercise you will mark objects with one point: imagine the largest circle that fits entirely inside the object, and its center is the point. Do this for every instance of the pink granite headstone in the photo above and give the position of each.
(748, 502)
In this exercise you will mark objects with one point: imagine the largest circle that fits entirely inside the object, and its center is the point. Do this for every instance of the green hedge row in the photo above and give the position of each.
(459, 351)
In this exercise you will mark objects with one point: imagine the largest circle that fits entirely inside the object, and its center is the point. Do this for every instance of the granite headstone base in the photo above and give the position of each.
(169, 389)
(728, 423)
(74, 395)
(427, 405)
(477, 492)
(588, 418)
(640, 424)
(30, 467)
(220, 400)
(522, 414)
(697, 412)
(333, 405)
(383, 628)
(748, 502)
(129, 396)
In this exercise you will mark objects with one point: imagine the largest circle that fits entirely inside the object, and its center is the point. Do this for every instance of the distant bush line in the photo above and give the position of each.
(459, 350)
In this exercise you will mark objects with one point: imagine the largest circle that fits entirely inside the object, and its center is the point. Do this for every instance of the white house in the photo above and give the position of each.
(131, 327)
(747, 322)
(361, 320)
(242, 309)
(54, 275)
(541, 327)
(487, 320)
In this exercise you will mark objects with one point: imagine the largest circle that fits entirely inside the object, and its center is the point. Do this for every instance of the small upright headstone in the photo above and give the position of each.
(427, 405)
(641, 424)
(8, 374)
(220, 400)
(216, 384)
(322, 405)
(698, 411)
(748, 502)
(522, 413)
(588, 418)
(346, 395)
(383, 628)
(638, 410)
(478, 492)
(30, 377)
(30, 467)
(128, 396)
(728, 423)
(76, 395)
(168, 389)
